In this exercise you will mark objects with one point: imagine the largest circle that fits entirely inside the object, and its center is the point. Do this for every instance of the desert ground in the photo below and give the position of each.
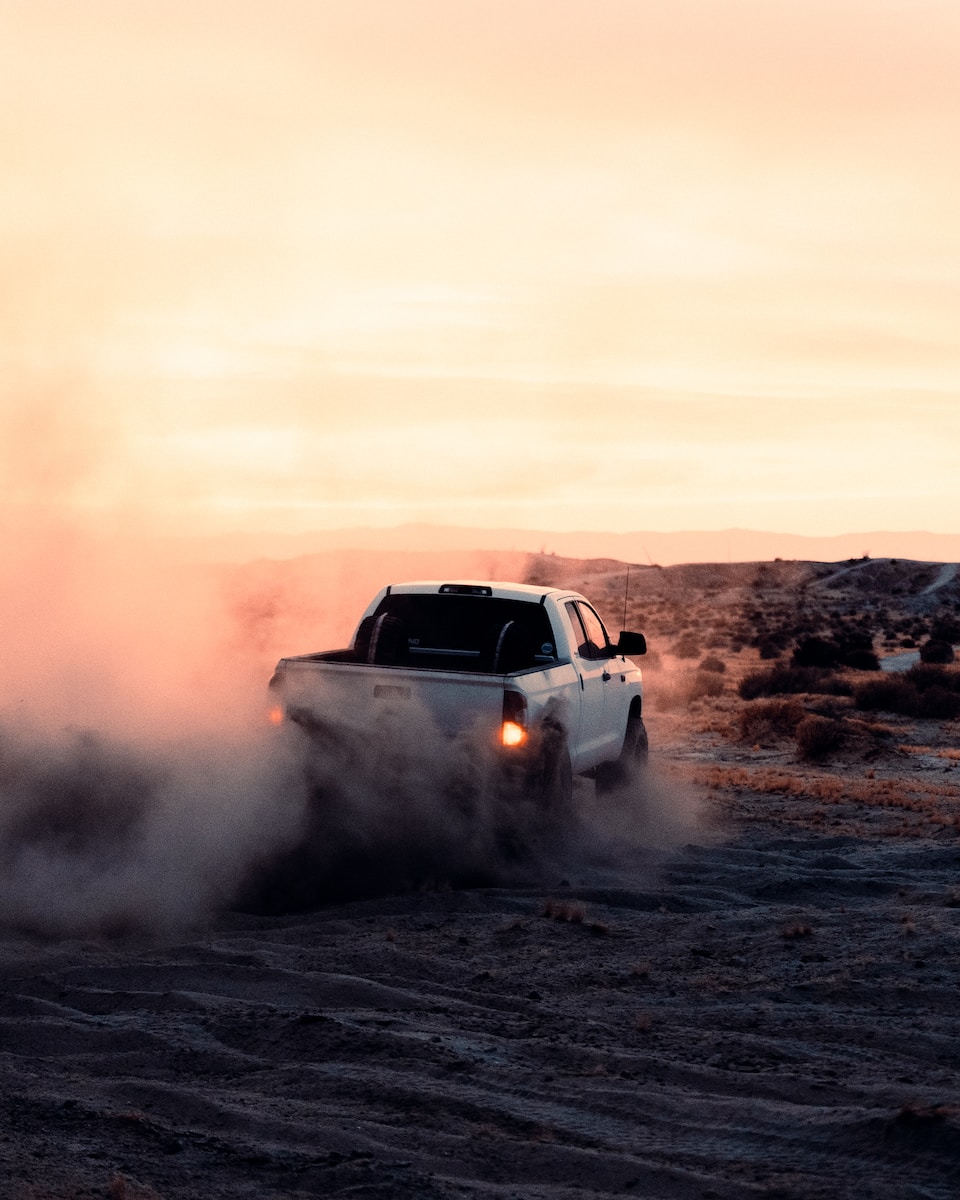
(737, 979)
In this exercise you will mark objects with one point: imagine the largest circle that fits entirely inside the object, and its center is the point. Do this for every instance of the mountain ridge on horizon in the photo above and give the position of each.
(640, 547)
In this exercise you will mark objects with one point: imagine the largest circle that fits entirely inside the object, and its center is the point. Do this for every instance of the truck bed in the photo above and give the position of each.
(333, 686)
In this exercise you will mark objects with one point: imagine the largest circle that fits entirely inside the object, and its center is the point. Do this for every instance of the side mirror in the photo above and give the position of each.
(631, 644)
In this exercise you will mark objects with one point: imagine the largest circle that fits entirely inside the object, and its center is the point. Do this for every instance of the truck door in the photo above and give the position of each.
(598, 736)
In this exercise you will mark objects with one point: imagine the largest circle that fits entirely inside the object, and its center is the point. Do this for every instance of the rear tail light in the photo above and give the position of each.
(513, 727)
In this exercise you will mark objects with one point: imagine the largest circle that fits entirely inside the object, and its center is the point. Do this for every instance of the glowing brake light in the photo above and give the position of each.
(512, 734)
(275, 715)
(513, 726)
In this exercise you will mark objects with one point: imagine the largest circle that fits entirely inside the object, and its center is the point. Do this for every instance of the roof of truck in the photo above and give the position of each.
(506, 591)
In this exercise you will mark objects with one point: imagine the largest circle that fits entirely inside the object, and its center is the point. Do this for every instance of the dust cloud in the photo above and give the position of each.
(142, 788)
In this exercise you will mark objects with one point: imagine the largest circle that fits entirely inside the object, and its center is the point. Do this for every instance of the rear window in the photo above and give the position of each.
(466, 633)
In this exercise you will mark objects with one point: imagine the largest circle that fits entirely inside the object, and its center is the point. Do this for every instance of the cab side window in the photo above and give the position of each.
(589, 635)
(598, 644)
(576, 625)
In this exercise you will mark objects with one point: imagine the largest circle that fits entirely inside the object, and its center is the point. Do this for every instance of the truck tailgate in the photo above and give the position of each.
(359, 695)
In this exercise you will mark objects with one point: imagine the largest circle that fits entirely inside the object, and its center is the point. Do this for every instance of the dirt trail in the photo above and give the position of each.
(767, 1008)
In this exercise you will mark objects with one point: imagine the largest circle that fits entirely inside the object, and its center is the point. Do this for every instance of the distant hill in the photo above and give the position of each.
(641, 547)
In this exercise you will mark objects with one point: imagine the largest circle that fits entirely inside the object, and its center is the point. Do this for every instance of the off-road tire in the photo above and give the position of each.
(612, 776)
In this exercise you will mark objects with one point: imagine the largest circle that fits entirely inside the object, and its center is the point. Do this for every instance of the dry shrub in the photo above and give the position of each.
(768, 720)
(816, 652)
(888, 693)
(930, 675)
(704, 684)
(799, 929)
(687, 646)
(935, 800)
(714, 664)
(563, 910)
(698, 685)
(934, 651)
(939, 704)
(122, 1188)
(818, 737)
(861, 659)
(779, 681)
(913, 1113)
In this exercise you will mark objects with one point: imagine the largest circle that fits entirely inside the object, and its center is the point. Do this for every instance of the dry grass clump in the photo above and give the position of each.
(915, 1113)
(939, 704)
(936, 804)
(687, 646)
(818, 737)
(780, 681)
(704, 685)
(887, 693)
(120, 1187)
(797, 929)
(689, 689)
(926, 690)
(563, 910)
(936, 651)
(769, 720)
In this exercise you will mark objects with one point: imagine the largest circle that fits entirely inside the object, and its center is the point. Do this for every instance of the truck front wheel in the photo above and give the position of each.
(612, 776)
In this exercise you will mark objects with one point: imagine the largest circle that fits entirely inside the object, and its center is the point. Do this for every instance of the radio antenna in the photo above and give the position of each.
(626, 589)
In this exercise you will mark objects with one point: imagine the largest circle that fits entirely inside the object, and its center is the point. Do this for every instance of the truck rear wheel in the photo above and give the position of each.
(551, 783)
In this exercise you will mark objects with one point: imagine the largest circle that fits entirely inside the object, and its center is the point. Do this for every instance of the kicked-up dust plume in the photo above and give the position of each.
(137, 778)
(137, 773)
(141, 786)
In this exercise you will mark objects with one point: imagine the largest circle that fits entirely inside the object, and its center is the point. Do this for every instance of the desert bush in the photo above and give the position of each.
(766, 720)
(817, 737)
(889, 693)
(687, 646)
(703, 684)
(779, 681)
(816, 652)
(861, 660)
(769, 649)
(930, 675)
(712, 663)
(934, 651)
(945, 628)
(940, 704)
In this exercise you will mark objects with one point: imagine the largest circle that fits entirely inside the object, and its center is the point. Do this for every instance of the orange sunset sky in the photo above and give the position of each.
(585, 264)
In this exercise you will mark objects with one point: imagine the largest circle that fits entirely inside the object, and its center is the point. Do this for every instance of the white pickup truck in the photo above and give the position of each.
(528, 671)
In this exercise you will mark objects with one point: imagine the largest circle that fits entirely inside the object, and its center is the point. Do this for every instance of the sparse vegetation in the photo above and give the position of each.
(687, 646)
(770, 720)
(779, 681)
(818, 737)
(936, 651)
(889, 693)
(563, 910)
(926, 690)
(704, 684)
(797, 929)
